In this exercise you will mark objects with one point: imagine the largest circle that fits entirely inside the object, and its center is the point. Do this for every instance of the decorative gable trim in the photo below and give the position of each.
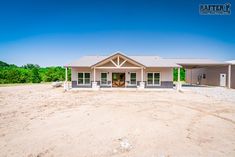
(119, 63)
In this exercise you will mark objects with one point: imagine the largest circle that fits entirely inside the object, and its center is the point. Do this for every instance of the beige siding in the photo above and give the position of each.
(128, 64)
(109, 64)
(74, 72)
(233, 77)
(191, 75)
(166, 74)
(121, 60)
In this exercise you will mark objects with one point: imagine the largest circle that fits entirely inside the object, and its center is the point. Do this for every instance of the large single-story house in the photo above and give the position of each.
(120, 70)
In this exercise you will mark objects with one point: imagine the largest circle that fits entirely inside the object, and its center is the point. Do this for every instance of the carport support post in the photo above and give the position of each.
(191, 75)
(178, 84)
(178, 74)
(229, 76)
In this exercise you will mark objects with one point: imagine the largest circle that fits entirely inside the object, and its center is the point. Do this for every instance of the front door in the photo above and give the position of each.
(118, 79)
(223, 80)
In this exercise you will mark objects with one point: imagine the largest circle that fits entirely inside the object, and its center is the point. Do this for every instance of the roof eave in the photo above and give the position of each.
(72, 66)
(211, 64)
(176, 66)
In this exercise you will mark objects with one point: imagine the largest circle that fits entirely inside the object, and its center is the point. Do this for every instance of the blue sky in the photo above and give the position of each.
(55, 32)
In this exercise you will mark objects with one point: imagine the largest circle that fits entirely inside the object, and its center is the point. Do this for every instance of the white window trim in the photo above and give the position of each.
(153, 79)
(83, 83)
(101, 78)
(135, 79)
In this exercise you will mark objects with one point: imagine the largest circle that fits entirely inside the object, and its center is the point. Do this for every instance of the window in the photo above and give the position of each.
(133, 79)
(204, 76)
(150, 78)
(83, 78)
(153, 79)
(104, 78)
(87, 78)
(156, 78)
(115, 76)
(80, 78)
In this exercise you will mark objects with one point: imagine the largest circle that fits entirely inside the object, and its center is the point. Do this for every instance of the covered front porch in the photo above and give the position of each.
(117, 72)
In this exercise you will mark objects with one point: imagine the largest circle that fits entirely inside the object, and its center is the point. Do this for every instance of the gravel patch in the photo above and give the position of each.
(219, 93)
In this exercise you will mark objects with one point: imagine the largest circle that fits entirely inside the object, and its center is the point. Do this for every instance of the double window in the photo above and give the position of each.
(84, 78)
(153, 79)
(133, 78)
(104, 78)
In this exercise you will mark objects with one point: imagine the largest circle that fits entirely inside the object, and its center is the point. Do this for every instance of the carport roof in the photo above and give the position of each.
(231, 62)
(199, 63)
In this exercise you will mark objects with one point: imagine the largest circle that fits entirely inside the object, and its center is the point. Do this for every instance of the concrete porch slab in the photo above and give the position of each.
(123, 89)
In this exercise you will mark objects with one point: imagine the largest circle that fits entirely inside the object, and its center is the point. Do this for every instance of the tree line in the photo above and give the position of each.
(30, 73)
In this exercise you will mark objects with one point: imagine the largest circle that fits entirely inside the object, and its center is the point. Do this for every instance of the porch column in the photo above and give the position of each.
(142, 85)
(66, 85)
(94, 76)
(66, 74)
(142, 75)
(229, 76)
(94, 83)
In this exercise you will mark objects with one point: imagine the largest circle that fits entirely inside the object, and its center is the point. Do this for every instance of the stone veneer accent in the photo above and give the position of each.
(75, 85)
(164, 84)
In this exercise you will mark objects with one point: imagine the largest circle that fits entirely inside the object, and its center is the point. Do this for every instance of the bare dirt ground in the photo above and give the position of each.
(39, 121)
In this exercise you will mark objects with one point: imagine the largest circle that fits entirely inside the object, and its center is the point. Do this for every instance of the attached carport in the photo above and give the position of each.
(206, 72)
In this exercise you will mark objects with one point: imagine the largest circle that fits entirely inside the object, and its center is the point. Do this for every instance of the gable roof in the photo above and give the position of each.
(146, 61)
(119, 54)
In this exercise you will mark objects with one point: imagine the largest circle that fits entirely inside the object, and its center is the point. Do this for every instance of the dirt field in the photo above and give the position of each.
(38, 121)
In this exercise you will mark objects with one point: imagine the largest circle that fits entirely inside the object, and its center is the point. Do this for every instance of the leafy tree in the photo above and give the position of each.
(182, 74)
(31, 66)
(25, 76)
(35, 77)
(12, 76)
(3, 64)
